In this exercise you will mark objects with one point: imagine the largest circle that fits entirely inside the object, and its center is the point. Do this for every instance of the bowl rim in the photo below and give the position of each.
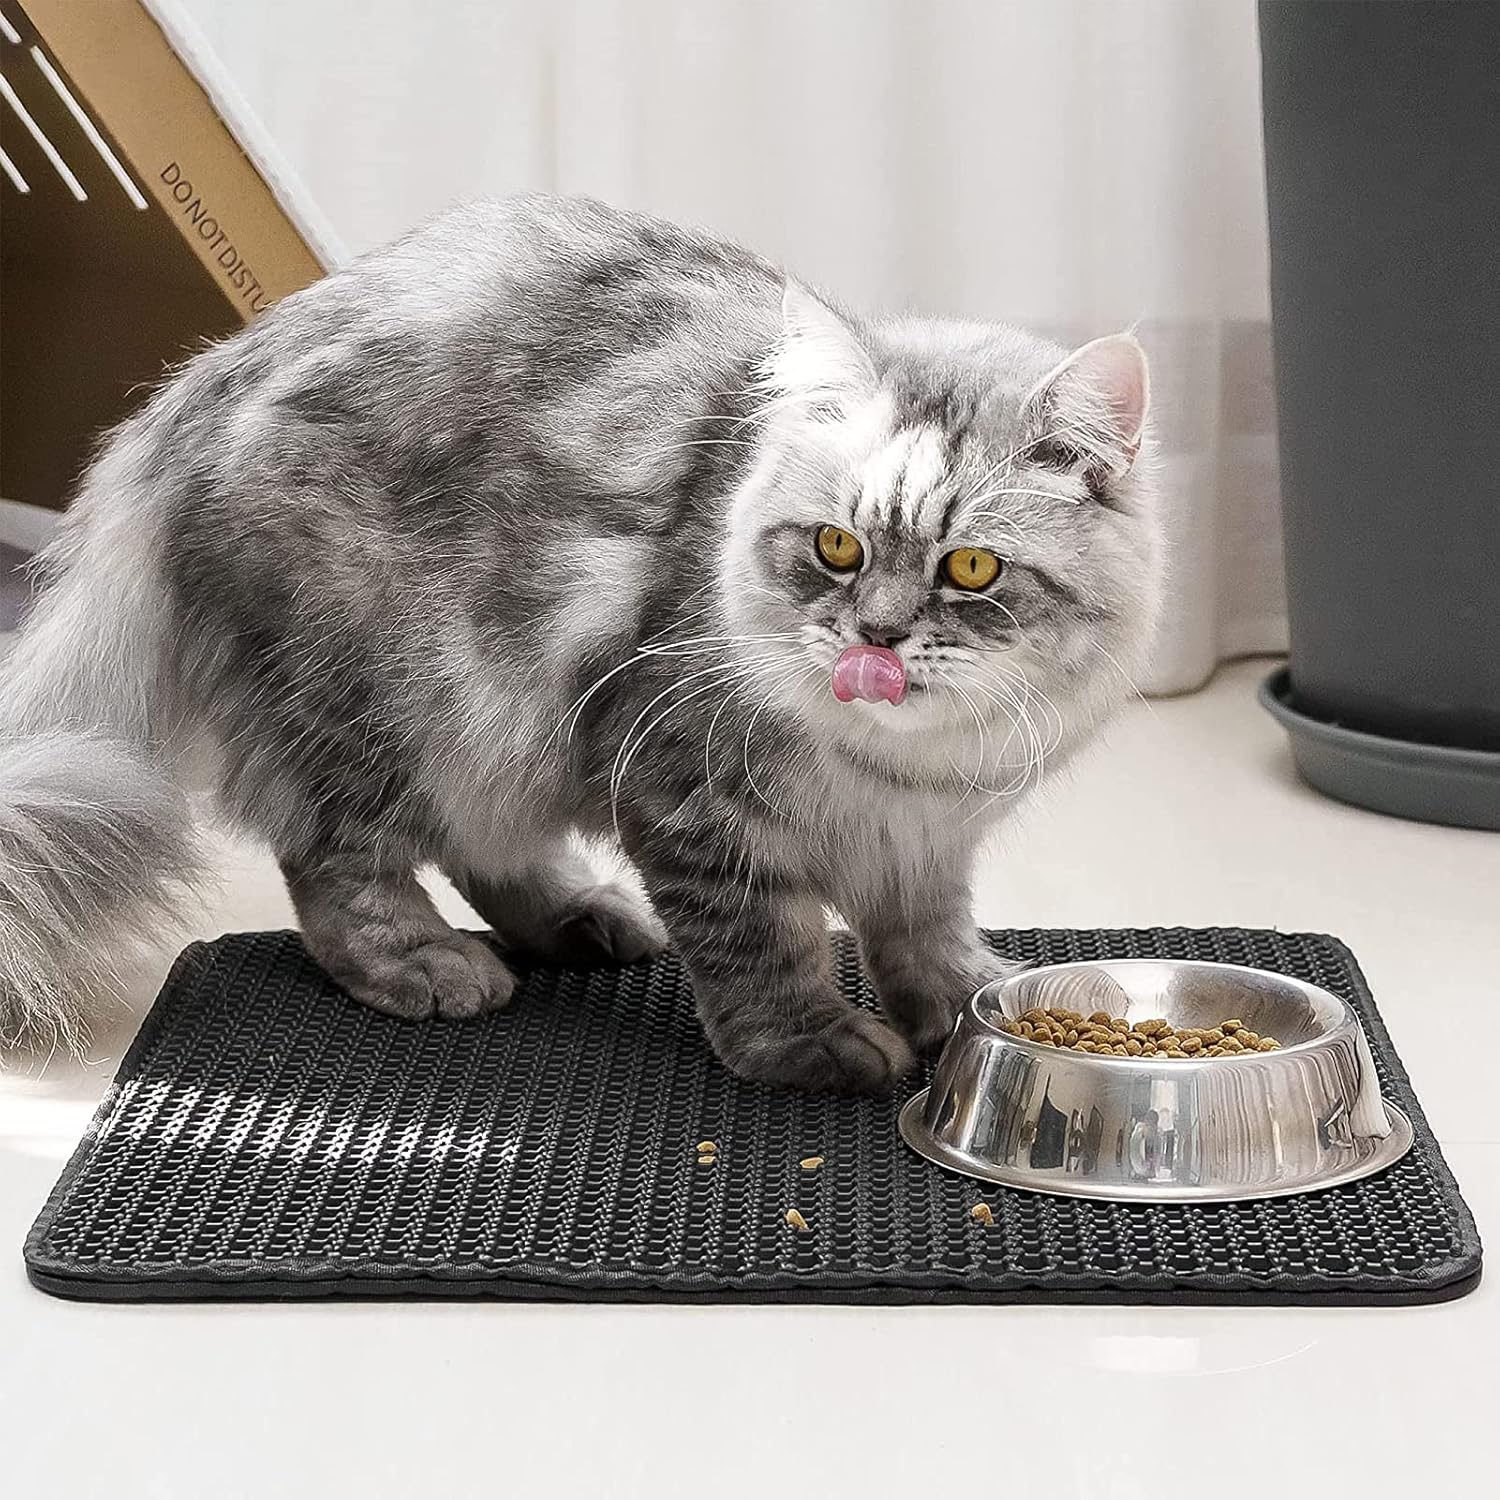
(1347, 1020)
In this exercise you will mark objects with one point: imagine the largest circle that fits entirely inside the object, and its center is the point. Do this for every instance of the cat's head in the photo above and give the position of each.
(976, 499)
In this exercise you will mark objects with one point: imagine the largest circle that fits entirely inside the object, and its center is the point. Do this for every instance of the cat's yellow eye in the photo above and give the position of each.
(971, 568)
(841, 551)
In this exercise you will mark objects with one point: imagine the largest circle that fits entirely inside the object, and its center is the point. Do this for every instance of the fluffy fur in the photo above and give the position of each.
(503, 537)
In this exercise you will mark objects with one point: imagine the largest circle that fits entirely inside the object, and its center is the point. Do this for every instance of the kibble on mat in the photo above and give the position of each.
(1114, 1036)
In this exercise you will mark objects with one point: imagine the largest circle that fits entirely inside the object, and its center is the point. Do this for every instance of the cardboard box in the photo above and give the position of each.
(142, 211)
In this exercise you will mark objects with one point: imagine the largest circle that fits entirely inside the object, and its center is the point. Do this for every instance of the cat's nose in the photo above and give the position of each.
(883, 635)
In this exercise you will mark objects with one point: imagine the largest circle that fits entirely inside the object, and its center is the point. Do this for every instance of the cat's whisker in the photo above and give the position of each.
(754, 674)
(661, 637)
(675, 686)
(623, 757)
(666, 448)
(1020, 714)
(1019, 728)
(1007, 708)
(628, 751)
(783, 600)
(708, 738)
(678, 613)
(735, 667)
(1044, 744)
(1032, 691)
(750, 730)
(700, 645)
(993, 602)
(1130, 681)
(679, 619)
(952, 682)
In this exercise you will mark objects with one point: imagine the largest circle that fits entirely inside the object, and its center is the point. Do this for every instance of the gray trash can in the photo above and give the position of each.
(1382, 136)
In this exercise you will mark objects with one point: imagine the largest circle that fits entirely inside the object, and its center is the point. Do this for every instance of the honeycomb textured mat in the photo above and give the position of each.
(268, 1138)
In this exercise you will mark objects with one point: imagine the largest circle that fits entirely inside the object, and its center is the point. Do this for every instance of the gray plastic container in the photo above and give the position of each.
(1382, 135)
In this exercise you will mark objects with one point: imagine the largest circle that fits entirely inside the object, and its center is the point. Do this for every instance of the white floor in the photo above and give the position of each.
(1190, 814)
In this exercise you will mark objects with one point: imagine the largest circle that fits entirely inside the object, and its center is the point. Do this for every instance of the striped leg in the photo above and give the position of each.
(756, 946)
(375, 933)
(925, 956)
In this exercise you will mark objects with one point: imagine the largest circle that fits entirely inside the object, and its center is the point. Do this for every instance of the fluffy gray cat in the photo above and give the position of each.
(550, 521)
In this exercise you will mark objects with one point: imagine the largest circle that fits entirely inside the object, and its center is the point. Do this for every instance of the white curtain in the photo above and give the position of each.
(1073, 165)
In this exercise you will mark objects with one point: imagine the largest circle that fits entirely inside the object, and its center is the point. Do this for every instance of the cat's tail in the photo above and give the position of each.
(97, 840)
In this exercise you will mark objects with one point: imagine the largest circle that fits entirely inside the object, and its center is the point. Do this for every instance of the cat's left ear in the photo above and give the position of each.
(819, 356)
(1097, 401)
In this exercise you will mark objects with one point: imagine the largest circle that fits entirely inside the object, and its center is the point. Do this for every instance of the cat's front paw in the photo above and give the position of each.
(924, 1006)
(455, 977)
(851, 1052)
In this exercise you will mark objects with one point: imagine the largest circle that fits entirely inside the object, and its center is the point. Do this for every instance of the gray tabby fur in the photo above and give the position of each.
(502, 537)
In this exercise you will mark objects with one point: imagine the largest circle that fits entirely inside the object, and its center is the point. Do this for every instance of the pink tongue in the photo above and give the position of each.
(873, 673)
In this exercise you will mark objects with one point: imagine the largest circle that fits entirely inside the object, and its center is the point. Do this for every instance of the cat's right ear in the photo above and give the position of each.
(819, 358)
(1099, 396)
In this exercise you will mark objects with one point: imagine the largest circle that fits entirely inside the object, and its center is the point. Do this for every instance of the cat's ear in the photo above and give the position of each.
(1096, 402)
(818, 358)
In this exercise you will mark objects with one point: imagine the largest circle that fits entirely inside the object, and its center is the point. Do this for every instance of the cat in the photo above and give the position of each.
(549, 523)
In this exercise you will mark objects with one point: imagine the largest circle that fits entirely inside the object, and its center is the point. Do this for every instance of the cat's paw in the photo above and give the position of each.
(607, 925)
(926, 1021)
(454, 978)
(925, 1009)
(852, 1052)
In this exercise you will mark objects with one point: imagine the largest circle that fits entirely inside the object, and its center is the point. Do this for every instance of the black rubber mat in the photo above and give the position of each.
(268, 1138)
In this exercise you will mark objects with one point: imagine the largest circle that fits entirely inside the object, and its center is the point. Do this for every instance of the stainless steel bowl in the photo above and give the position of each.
(1256, 1125)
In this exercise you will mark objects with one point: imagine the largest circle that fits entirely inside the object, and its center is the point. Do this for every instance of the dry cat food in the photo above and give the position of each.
(796, 1220)
(982, 1213)
(1114, 1036)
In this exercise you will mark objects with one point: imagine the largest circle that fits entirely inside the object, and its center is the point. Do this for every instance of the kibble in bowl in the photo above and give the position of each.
(1105, 1035)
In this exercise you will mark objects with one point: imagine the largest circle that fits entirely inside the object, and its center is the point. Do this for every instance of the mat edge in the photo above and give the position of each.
(883, 1294)
(145, 1038)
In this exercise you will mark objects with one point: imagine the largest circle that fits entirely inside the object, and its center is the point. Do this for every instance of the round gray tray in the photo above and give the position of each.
(1432, 783)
